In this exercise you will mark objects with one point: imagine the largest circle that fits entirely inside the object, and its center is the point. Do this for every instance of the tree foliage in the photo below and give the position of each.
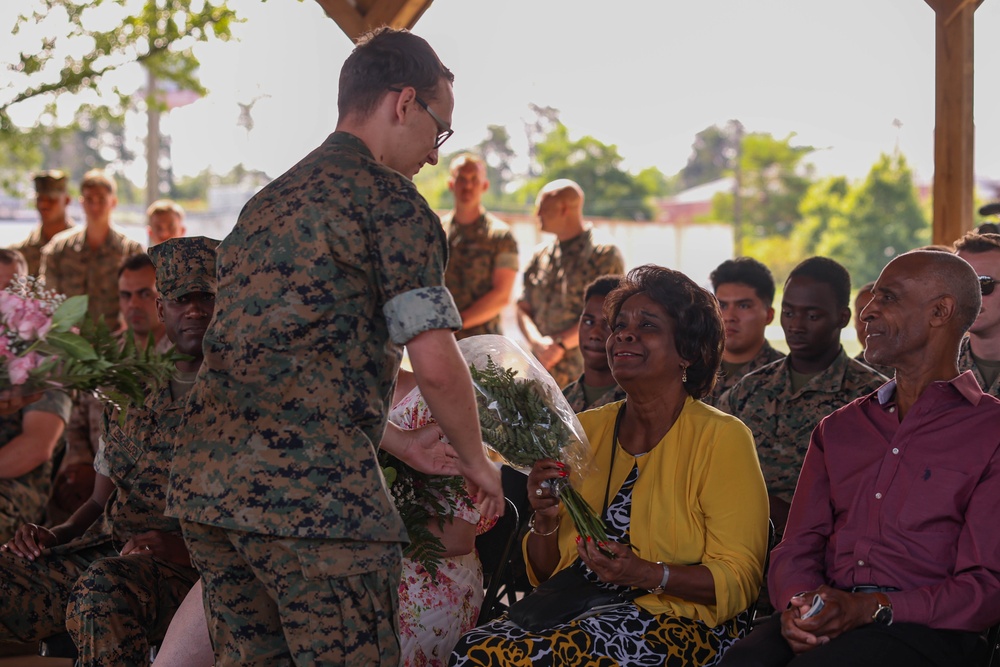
(713, 155)
(67, 48)
(879, 218)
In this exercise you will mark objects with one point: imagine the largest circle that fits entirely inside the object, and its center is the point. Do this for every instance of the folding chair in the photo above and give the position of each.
(495, 547)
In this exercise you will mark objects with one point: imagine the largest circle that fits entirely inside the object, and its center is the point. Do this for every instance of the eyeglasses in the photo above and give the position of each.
(443, 130)
(987, 285)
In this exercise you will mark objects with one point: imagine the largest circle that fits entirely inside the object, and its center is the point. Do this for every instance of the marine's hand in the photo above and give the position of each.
(483, 480)
(30, 541)
(165, 546)
(424, 450)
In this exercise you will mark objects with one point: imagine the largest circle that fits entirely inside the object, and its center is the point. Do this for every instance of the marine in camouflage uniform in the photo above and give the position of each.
(51, 201)
(575, 394)
(966, 362)
(554, 285)
(475, 251)
(766, 355)
(782, 421)
(23, 498)
(116, 586)
(329, 271)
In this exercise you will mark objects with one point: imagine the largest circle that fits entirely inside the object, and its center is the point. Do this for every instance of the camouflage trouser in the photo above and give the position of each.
(33, 594)
(119, 605)
(18, 506)
(278, 600)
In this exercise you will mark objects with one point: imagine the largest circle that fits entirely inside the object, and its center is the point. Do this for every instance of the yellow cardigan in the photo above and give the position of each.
(700, 498)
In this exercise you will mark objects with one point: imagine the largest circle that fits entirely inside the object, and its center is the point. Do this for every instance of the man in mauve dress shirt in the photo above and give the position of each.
(893, 522)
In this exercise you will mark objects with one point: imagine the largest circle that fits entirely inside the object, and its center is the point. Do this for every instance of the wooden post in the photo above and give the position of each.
(954, 132)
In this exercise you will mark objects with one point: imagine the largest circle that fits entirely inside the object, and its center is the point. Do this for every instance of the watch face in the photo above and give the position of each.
(883, 616)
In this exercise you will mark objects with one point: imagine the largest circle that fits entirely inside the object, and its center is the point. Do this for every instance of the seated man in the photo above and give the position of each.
(596, 387)
(864, 297)
(981, 349)
(783, 401)
(115, 571)
(893, 524)
(28, 438)
(744, 289)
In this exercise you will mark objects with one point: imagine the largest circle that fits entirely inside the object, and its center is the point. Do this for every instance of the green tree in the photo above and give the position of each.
(822, 203)
(78, 44)
(882, 217)
(713, 155)
(496, 151)
(609, 190)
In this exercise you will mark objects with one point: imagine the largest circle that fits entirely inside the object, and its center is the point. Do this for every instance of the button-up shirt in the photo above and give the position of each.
(911, 505)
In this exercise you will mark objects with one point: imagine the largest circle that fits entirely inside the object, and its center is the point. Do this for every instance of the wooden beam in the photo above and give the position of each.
(356, 17)
(954, 131)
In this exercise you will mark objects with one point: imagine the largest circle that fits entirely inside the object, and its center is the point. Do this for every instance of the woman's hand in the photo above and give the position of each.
(30, 541)
(165, 546)
(540, 496)
(625, 569)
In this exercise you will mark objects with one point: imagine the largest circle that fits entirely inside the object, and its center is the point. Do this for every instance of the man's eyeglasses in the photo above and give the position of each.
(987, 285)
(443, 130)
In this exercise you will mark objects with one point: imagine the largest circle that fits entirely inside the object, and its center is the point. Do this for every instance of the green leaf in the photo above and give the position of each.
(73, 345)
(69, 313)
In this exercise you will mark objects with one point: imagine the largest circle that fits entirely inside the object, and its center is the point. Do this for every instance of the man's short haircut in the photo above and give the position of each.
(136, 262)
(9, 256)
(386, 57)
(867, 287)
(958, 277)
(602, 286)
(977, 243)
(698, 333)
(98, 178)
(825, 270)
(463, 159)
(747, 271)
(165, 206)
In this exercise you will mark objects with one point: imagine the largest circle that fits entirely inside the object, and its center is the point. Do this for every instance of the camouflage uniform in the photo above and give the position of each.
(112, 605)
(782, 422)
(578, 399)
(723, 383)
(23, 499)
(967, 363)
(31, 248)
(329, 271)
(70, 267)
(476, 250)
(554, 283)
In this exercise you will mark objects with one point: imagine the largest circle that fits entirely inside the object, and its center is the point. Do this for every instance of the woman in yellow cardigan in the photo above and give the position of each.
(683, 497)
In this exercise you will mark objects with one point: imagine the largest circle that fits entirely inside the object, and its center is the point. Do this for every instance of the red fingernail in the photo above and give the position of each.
(578, 538)
(588, 539)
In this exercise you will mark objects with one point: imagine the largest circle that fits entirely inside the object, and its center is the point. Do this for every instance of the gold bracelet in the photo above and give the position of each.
(531, 527)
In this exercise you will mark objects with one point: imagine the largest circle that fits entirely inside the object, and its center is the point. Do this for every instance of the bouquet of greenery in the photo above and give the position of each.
(525, 418)
(422, 498)
(47, 341)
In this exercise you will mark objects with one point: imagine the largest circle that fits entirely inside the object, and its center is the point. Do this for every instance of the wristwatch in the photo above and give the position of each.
(663, 582)
(883, 614)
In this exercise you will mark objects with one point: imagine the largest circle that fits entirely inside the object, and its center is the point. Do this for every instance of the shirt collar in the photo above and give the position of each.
(965, 384)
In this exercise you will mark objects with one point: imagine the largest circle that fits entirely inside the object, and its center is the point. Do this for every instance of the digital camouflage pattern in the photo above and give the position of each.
(578, 400)
(475, 251)
(554, 283)
(723, 383)
(70, 267)
(117, 604)
(329, 271)
(31, 248)
(334, 604)
(782, 422)
(184, 266)
(23, 499)
(967, 363)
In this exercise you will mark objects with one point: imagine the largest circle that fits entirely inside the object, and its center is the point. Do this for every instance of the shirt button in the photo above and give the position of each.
(861, 563)
(878, 496)
(895, 450)
(892, 409)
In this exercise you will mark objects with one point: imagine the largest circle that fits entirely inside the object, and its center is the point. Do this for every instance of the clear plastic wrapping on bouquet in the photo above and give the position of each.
(523, 413)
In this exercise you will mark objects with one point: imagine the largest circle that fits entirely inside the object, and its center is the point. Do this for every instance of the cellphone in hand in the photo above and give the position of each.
(815, 608)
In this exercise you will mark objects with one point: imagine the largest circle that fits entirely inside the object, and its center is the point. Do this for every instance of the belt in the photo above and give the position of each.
(874, 589)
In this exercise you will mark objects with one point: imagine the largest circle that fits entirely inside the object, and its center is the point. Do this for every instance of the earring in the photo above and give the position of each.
(684, 375)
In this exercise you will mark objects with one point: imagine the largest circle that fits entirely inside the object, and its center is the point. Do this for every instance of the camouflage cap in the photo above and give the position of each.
(184, 265)
(51, 182)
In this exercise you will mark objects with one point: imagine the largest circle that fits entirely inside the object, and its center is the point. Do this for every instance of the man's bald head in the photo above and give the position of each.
(948, 274)
(559, 208)
(564, 191)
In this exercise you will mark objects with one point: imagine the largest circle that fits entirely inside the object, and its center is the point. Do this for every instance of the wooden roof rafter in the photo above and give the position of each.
(356, 17)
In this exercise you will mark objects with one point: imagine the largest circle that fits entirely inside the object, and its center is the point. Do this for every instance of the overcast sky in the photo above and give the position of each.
(645, 75)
